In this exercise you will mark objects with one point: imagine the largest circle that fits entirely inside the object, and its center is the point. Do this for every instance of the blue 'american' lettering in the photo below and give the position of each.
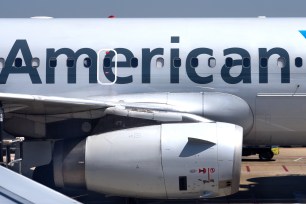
(147, 54)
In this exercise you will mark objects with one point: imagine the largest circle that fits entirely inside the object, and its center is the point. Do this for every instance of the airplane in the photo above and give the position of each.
(151, 108)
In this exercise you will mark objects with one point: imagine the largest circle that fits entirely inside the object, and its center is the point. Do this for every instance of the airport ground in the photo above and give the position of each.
(282, 180)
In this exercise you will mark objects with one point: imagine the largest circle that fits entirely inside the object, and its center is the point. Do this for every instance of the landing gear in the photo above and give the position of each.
(266, 155)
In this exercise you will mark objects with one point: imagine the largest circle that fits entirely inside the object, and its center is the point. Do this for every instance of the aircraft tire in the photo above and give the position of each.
(266, 155)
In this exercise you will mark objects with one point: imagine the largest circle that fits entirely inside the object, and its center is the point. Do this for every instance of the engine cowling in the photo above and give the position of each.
(191, 160)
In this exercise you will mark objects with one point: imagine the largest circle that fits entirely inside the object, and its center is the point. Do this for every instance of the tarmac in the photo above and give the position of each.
(282, 180)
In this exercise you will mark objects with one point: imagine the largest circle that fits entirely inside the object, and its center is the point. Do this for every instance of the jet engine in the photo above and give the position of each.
(168, 161)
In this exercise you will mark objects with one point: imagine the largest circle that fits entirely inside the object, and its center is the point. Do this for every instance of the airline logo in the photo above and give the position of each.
(303, 32)
(244, 61)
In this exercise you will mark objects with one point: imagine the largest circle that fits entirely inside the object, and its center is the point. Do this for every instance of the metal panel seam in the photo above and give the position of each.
(161, 159)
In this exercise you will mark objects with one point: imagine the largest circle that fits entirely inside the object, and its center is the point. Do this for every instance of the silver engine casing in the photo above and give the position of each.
(173, 161)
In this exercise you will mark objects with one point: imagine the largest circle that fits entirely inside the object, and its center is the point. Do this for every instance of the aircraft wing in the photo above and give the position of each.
(15, 188)
(37, 104)
(49, 105)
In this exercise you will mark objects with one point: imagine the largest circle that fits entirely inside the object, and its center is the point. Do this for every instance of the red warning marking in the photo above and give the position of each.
(207, 170)
(248, 168)
(285, 168)
(202, 170)
(107, 52)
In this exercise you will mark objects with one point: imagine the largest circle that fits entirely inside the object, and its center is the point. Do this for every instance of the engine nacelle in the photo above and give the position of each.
(190, 160)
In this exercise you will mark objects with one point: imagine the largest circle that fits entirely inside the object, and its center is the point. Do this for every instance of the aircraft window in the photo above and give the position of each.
(107, 62)
(53, 62)
(70, 62)
(87, 62)
(35, 62)
(18, 62)
(229, 62)
(212, 62)
(134, 62)
(177, 62)
(281, 62)
(246, 62)
(264, 62)
(2, 63)
(298, 62)
(194, 62)
(160, 62)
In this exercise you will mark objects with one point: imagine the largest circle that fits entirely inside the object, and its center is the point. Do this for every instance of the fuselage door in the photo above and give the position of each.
(107, 67)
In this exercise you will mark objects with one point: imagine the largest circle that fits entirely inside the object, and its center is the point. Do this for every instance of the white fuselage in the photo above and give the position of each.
(276, 92)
